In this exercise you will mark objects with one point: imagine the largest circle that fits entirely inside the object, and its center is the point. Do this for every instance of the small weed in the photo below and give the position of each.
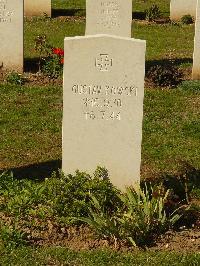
(152, 13)
(165, 75)
(12, 237)
(15, 78)
(187, 19)
(43, 48)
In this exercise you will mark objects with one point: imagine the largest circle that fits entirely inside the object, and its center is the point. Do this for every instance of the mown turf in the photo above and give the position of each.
(138, 5)
(160, 38)
(163, 41)
(62, 256)
(31, 126)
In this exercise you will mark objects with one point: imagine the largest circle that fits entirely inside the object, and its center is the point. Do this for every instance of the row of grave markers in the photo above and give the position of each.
(178, 8)
(103, 87)
(102, 16)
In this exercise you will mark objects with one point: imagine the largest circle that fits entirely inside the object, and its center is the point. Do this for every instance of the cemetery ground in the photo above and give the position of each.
(39, 206)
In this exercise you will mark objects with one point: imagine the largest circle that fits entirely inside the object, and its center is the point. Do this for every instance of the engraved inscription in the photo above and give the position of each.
(104, 90)
(103, 102)
(5, 15)
(109, 14)
(98, 102)
(102, 115)
(103, 62)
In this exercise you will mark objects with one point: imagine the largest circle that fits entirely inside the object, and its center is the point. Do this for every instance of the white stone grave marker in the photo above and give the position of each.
(11, 35)
(196, 54)
(179, 8)
(103, 106)
(37, 7)
(109, 17)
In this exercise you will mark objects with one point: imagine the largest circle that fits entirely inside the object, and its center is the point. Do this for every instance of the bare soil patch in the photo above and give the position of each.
(82, 238)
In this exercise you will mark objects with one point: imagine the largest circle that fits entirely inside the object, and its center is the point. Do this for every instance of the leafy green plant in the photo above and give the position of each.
(23, 196)
(15, 78)
(80, 187)
(7, 183)
(104, 224)
(53, 66)
(50, 59)
(43, 48)
(165, 75)
(101, 173)
(141, 216)
(144, 215)
(12, 237)
(153, 13)
(187, 19)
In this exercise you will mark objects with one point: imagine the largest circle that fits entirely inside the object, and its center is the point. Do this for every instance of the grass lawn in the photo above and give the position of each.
(62, 256)
(138, 5)
(160, 38)
(171, 116)
(31, 126)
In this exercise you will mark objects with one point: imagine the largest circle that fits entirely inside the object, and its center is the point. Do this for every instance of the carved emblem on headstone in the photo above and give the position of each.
(103, 62)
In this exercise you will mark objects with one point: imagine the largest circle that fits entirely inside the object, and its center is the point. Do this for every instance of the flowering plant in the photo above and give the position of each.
(53, 65)
(60, 53)
(51, 59)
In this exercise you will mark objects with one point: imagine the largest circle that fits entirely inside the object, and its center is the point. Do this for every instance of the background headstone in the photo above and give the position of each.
(179, 8)
(103, 106)
(11, 35)
(37, 7)
(109, 17)
(196, 54)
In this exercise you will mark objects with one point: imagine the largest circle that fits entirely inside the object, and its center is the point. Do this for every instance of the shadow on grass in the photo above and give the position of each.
(139, 15)
(181, 183)
(176, 62)
(37, 171)
(82, 12)
(31, 65)
(68, 12)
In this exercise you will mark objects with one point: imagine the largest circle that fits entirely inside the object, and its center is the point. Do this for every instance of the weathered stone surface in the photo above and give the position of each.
(11, 35)
(179, 8)
(196, 54)
(109, 17)
(103, 106)
(37, 7)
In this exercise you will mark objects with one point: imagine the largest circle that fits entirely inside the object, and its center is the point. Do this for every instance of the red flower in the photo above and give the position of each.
(58, 51)
(61, 52)
(55, 50)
